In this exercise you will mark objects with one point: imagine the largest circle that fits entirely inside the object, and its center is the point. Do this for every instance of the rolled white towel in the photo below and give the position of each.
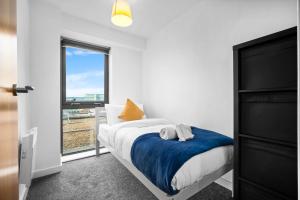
(168, 133)
(184, 132)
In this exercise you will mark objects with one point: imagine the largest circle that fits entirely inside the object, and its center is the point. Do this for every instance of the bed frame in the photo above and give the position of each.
(183, 194)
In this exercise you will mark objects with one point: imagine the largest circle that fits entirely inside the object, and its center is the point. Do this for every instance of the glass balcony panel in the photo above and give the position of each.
(78, 130)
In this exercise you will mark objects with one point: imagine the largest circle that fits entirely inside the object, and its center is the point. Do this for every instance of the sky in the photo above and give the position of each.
(85, 72)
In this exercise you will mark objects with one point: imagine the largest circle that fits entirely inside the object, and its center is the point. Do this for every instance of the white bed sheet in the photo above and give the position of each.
(121, 137)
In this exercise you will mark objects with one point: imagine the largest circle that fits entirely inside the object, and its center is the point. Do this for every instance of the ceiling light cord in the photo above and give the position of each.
(116, 2)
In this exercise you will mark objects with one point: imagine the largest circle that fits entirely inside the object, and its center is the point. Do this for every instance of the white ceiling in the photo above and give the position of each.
(149, 16)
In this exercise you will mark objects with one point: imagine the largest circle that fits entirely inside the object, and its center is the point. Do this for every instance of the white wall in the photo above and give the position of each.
(47, 25)
(23, 63)
(45, 77)
(188, 66)
(126, 74)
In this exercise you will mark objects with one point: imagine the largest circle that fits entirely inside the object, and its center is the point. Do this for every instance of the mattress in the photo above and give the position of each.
(121, 136)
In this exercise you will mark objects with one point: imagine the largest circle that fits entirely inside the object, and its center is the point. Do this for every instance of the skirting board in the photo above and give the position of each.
(225, 183)
(47, 171)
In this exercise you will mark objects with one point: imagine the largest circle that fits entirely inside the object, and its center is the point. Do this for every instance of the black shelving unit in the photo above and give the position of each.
(269, 90)
(265, 117)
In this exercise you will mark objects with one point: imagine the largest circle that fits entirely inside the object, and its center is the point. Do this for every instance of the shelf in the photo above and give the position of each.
(264, 189)
(288, 144)
(269, 90)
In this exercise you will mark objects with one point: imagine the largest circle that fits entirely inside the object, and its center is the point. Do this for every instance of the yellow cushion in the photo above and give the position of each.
(131, 112)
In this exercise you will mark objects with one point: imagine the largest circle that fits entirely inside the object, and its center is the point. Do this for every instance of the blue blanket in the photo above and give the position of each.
(159, 159)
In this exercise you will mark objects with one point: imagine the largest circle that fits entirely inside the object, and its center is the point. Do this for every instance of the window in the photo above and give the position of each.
(84, 87)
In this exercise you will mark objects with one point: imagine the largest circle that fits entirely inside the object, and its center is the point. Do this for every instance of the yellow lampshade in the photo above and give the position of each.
(121, 14)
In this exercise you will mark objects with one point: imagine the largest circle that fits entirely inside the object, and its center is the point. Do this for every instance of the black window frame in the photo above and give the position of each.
(83, 104)
(77, 104)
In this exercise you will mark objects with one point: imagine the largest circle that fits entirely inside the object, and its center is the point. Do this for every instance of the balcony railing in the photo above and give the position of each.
(78, 130)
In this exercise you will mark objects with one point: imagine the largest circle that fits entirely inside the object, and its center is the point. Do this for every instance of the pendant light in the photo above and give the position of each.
(121, 13)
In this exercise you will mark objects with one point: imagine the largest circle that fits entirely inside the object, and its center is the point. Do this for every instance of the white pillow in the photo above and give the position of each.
(113, 112)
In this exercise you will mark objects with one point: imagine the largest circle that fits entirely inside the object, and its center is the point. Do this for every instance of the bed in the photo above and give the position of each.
(194, 175)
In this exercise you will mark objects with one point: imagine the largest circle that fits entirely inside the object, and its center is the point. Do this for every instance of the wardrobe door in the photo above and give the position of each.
(265, 117)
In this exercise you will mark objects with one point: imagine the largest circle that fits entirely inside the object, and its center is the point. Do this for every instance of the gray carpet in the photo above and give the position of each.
(103, 178)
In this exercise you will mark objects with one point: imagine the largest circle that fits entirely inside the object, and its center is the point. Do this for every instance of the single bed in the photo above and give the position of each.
(195, 174)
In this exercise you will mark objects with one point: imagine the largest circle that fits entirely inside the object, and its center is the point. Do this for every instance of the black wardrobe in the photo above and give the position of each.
(265, 117)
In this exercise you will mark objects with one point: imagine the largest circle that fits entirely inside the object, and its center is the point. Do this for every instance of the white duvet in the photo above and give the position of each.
(121, 137)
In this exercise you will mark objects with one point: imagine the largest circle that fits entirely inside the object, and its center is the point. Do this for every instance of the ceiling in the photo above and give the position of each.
(149, 16)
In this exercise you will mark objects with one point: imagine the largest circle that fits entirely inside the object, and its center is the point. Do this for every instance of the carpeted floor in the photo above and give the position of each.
(103, 178)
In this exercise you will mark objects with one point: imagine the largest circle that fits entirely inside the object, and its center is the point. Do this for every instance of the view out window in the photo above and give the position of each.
(84, 87)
